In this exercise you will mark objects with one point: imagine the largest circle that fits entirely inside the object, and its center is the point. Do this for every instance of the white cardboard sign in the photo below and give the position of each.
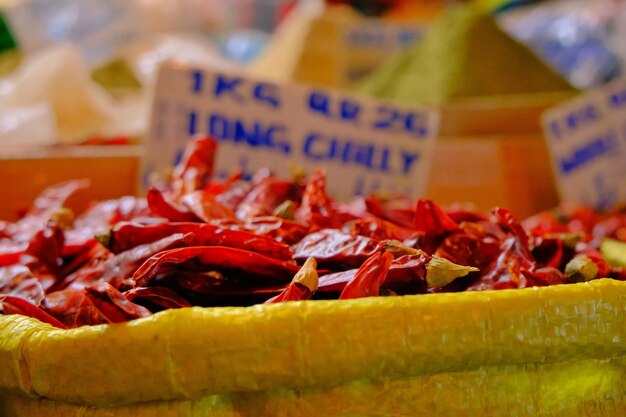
(587, 141)
(366, 146)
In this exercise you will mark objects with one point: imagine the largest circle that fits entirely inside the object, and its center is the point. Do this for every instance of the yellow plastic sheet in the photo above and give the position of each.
(553, 351)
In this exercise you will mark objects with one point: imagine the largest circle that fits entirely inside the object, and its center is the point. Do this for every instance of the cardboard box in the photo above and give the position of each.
(25, 172)
(492, 152)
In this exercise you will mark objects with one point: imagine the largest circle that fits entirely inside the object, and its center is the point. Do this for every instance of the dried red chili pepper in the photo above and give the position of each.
(545, 276)
(206, 207)
(613, 226)
(369, 277)
(507, 270)
(407, 268)
(376, 228)
(46, 246)
(264, 197)
(196, 166)
(16, 305)
(336, 281)
(277, 228)
(407, 274)
(112, 303)
(209, 258)
(234, 194)
(431, 219)
(470, 249)
(399, 210)
(98, 218)
(124, 236)
(93, 253)
(220, 188)
(303, 285)
(618, 273)
(549, 251)
(505, 219)
(77, 241)
(603, 266)
(11, 252)
(459, 214)
(109, 212)
(13, 275)
(330, 246)
(216, 284)
(118, 267)
(433, 223)
(160, 296)
(252, 268)
(160, 206)
(28, 289)
(73, 308)
(567, 218)
(47, 203)
(316, 209)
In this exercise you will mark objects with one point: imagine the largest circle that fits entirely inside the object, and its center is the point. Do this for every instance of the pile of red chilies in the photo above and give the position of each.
(195, 241)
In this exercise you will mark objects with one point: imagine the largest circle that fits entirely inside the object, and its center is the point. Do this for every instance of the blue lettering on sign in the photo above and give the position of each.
(408, 160)
(392, 119)
(318, 147)
(574, 120)
(319, 103)
(554, 128)
(267, 93)
(254, 134)
(224, 85)
(236, 88)
(416, 123)
(192, 126)
(589, 152)
(346, 109)
(197, 78)
(618, 99)
(350, 110)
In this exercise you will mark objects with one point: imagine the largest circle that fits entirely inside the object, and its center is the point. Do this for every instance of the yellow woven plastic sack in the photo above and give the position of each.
(553, 351)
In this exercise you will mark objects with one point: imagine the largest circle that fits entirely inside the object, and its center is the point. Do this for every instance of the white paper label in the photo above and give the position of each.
(366, 146)
(587, 140)
(99, 28)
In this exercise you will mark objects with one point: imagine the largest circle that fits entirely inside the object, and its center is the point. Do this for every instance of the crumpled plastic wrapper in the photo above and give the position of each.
(53, 95)
(552, 351)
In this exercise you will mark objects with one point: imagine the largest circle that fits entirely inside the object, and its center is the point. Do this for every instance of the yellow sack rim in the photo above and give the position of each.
(197, 352)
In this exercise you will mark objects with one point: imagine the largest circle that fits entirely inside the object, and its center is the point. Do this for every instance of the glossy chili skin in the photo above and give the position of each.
(210, 258)
(195, 240)
(335, 247)
(369, 277)
(126, 235)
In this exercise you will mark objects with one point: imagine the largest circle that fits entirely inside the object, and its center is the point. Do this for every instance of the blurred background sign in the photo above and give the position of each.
(587, 141)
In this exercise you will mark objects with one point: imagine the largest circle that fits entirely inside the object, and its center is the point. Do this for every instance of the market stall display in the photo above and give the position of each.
(227, 290)
(464, 54)
(490, 91)
(195, 241)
